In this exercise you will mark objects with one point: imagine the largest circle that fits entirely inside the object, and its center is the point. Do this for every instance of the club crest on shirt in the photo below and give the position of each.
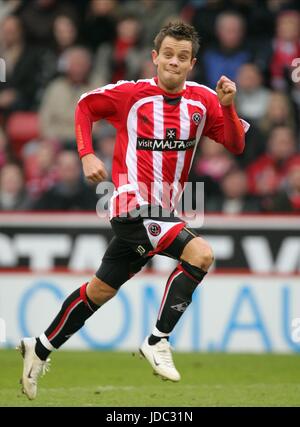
(196, 117)
(154, 229)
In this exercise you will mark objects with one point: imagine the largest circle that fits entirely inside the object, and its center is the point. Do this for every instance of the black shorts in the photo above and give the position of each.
(138, 239)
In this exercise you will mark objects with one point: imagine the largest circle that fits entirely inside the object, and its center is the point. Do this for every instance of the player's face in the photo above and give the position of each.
(174, 61)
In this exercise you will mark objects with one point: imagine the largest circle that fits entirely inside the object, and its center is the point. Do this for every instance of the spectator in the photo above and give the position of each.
(230, 53)
(100, 23)
(38, 17)
(122, 59)
(213, 160)
(234, 198)
(65, 33)
(40, 166)
(252, 102)
(269, 171)
(60, 98)
(288, 200)
(69, 193)
(151, 14)
(22, 68)
(279, 112)
(13, 195)
(65, 36)
(252, 97)
(286, 47)
(203, 16)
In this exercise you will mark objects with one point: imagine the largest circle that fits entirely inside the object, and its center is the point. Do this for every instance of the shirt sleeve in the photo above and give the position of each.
(224, 126)
(106, 103)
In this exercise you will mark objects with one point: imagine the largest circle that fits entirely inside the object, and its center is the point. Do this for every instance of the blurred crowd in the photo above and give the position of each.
(55, 50)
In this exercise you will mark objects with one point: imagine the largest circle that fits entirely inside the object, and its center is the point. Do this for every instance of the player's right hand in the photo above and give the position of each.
(93, 168)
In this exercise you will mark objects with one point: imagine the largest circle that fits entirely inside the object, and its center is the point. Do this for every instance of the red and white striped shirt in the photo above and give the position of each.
(157, 136)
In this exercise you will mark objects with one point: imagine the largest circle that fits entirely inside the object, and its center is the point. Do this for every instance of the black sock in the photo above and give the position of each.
(76, 309)
(41, 351)
(178, 296)
(153, 339)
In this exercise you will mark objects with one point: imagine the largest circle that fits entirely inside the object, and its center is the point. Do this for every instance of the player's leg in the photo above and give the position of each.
(195, 257)
(195, 260)
(76, 309)
(118, 265)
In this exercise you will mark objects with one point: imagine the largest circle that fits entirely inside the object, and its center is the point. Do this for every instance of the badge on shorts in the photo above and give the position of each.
(196, 117)
(154, 229)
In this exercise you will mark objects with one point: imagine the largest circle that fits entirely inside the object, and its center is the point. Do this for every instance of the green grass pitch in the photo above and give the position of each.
(121, 379)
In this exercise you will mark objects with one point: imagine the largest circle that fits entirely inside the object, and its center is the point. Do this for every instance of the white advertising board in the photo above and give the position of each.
(229, 313)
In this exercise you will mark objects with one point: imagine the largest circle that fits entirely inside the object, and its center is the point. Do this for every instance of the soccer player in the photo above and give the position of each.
(159, 123)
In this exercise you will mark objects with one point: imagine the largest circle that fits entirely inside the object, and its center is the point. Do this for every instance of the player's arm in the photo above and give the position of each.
(228, 129)
(93, 168)
(109, 103)
(104, 103)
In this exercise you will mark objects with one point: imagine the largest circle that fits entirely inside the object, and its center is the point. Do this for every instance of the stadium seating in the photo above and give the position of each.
(22, 127)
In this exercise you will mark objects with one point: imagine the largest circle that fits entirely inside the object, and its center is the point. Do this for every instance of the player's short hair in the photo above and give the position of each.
(179, 30)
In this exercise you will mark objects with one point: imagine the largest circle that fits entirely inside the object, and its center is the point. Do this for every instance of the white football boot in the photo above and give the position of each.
(160, 358)
(33, 367)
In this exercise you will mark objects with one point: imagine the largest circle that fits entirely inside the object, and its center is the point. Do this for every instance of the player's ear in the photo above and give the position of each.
(193, 62)
(154, 56)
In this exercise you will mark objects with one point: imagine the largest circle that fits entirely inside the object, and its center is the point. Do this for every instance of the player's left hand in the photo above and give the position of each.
(226, 90)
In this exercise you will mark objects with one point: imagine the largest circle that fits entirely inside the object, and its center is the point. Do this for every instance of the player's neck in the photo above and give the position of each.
(172, 91)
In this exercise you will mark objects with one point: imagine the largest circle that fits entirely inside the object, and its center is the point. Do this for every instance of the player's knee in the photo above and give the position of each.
(198, 253)
(203, 260)
(100, 292)
(206, 258)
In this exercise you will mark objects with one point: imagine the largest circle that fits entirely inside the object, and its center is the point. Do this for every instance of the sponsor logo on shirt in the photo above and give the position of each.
(171, 133)
(164, 144)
